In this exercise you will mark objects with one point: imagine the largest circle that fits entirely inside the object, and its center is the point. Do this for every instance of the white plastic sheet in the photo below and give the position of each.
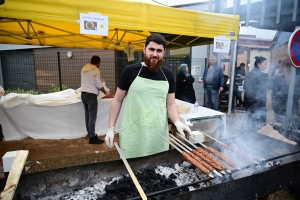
(51, 116)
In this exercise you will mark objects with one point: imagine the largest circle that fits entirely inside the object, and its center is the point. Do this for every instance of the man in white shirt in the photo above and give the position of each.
(90, 86)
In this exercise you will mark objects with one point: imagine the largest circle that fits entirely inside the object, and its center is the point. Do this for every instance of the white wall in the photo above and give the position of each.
(266, 54)
(198, 56)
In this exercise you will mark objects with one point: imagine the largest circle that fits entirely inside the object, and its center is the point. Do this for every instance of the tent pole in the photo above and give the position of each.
(59, 71)
(289, 106)
(232, 77)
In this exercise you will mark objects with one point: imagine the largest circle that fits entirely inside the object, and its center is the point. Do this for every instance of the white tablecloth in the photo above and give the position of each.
(206, 120)
(52, 122)
(40, 118)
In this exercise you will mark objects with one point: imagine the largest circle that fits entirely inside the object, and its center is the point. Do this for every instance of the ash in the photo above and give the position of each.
(151, 180)
(182, 174)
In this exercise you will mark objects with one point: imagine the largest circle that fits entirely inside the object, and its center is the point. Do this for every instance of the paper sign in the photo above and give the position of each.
(241, 89)
(221, 44)
(93, 24)
(196, 70)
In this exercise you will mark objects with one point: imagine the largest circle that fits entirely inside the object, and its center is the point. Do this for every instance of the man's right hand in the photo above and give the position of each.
(109, 138)
(200, 81)
(103, 90)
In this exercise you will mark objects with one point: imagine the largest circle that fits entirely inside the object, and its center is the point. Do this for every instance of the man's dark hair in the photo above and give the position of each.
(157, 38)
(242, 64)
(95, 59)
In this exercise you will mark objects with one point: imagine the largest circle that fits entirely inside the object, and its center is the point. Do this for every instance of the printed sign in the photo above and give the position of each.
(93, 24)
(221, 44)
(196, 70)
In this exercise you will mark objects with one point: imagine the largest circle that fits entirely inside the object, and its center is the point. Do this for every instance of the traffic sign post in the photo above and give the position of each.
(294, 53)
(294, 47)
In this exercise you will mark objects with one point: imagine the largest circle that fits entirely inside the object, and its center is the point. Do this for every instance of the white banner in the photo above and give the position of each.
(93, 24)
(221, 44)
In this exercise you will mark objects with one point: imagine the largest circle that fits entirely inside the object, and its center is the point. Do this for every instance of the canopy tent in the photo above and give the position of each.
(55, 23)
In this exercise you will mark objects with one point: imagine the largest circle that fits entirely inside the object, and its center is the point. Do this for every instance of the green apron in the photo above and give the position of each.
(144, 118)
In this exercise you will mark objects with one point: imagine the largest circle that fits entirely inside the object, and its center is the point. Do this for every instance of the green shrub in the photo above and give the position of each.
(18, 90)
(21, 91)
(55, 88)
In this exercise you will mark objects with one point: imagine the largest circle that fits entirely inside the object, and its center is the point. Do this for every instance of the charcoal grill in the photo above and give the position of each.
(246, 183)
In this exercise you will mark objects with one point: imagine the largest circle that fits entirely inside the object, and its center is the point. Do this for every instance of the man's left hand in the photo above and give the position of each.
(221, 89)
(181, 127)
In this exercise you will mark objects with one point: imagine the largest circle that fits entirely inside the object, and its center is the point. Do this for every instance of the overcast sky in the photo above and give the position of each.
(260, 33)
(179, 2)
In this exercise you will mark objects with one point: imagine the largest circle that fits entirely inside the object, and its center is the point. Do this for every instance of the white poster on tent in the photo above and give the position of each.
(196, 70)
(93, 24)
(221, 44)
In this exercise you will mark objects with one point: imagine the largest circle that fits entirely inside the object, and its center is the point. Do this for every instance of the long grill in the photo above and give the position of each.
(278, 168)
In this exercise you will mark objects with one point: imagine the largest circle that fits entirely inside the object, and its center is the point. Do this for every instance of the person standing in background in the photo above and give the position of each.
(240, 75)
(256, 85)
(184, 85)
(281, 81)
(213, 79)
(90, 86)
(2, 92)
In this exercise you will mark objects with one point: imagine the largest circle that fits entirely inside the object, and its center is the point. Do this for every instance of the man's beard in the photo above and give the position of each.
(153, 66)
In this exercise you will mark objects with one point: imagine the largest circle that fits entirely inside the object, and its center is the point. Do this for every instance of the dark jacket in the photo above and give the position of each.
(274, 70)
(184, 88)
(256, 85)
(218, 79)
(241, 72)
(280, 95)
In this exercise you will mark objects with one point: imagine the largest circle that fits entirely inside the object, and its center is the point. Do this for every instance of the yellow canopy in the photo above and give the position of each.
(55, 23)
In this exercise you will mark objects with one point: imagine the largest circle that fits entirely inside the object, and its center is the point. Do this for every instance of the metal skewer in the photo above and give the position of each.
(190, 150)
(199, 147)
(173, 145)
(210, 137)
(189, 153)
(229, 148)
(208, 148)
(136, 183)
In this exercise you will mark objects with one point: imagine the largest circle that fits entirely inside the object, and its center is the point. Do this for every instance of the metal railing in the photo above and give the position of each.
(28, 70)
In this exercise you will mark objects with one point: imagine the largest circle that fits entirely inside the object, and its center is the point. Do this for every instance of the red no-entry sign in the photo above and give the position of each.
(294, 48)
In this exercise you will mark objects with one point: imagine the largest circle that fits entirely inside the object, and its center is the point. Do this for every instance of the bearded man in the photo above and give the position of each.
(149, 88)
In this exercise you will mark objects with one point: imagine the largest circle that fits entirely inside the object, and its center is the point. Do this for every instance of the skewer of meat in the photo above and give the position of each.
(208, 165)
(218, 154)
(239, 152)
(206, 154)
(232, 149)
(189, 158)
(223, 157)
(202, 153)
